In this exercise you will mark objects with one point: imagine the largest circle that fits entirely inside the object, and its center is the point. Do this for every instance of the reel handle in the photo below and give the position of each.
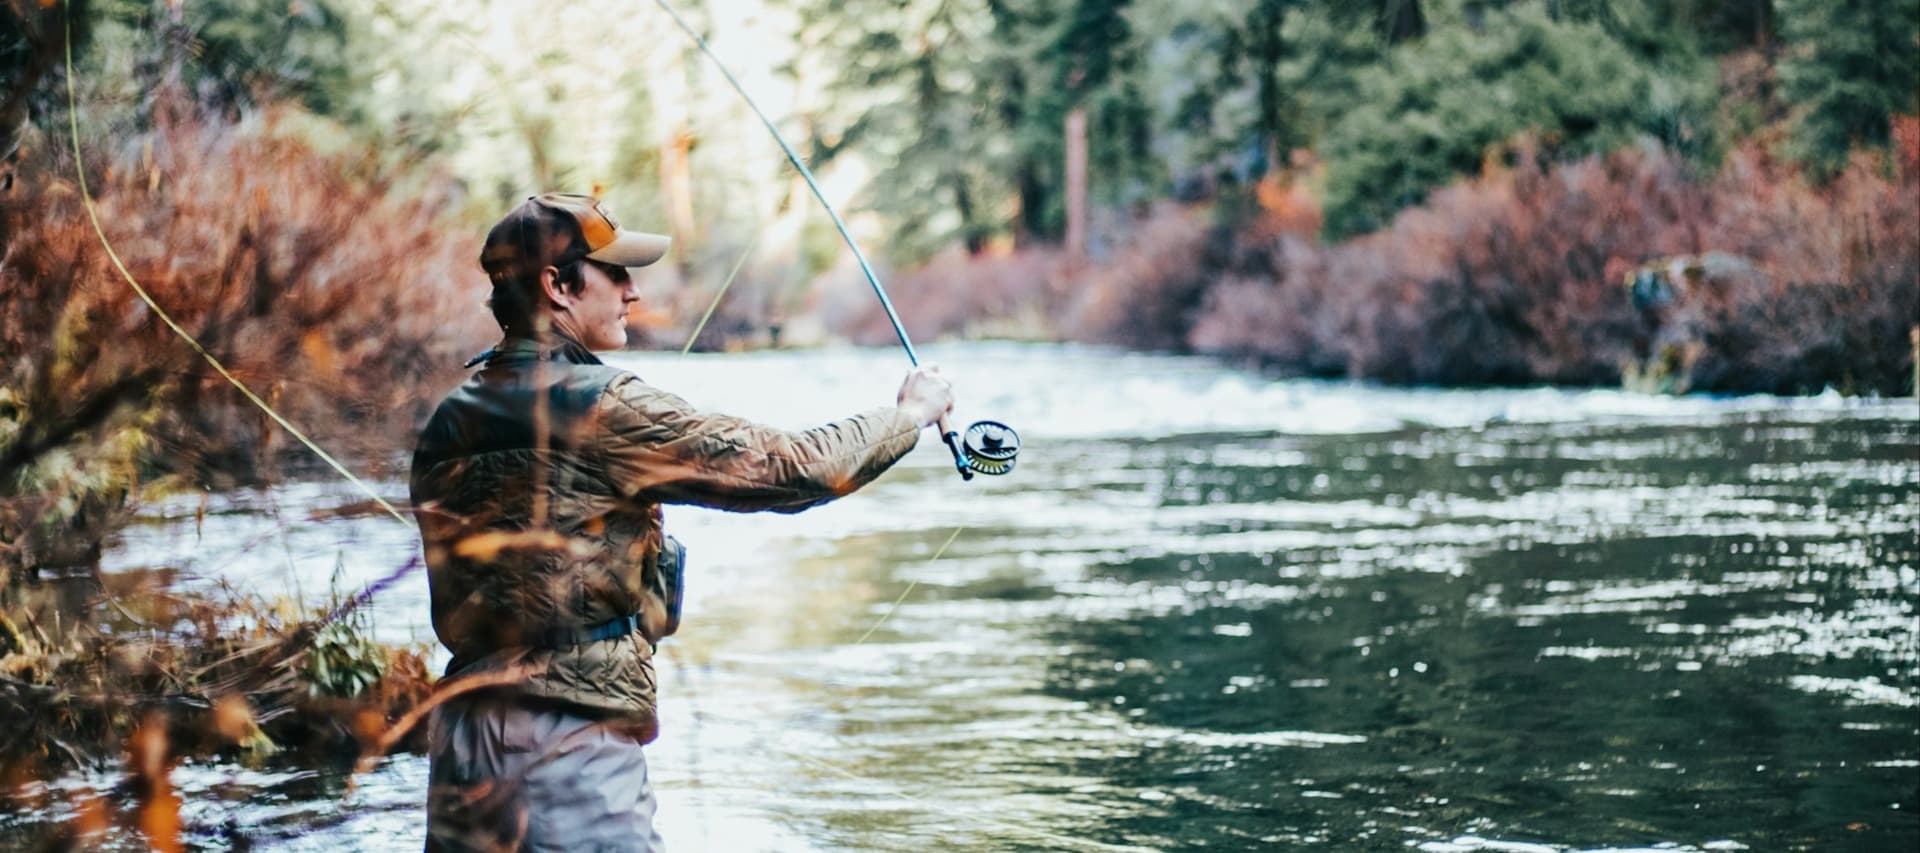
(959, 452)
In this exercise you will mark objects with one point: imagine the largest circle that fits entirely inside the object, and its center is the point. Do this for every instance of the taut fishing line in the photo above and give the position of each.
(86, 197)
(962, 458)
(910, 585)
(715, 304)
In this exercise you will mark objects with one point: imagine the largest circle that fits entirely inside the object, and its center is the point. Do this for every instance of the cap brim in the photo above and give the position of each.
(632, 249)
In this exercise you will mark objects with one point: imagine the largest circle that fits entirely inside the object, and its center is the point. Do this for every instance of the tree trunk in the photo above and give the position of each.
(676, 180)
(971, 231)
(667, 90)
(1269, 47)
(1077, 184)
(1034, 196)
(1401, 20)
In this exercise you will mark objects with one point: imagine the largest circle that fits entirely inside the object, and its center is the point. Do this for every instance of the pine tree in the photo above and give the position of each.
(1090, 61)
(1849, 67)
(1480, 79)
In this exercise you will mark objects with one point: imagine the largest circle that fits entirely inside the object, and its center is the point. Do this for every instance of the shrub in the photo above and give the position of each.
(1017, 294)
(1515, 276)
(240, 676)
(322, 293)
(1146, 295)
(1512, 277)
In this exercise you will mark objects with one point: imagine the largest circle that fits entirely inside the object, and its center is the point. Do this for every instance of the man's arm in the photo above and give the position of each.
(660, 449)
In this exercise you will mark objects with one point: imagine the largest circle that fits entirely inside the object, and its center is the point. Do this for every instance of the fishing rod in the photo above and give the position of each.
(986, 447)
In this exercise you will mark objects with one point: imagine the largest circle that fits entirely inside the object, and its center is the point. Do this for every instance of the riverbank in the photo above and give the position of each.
(1631, 269)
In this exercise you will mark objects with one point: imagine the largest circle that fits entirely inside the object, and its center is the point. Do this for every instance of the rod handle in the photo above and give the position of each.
(959, 454)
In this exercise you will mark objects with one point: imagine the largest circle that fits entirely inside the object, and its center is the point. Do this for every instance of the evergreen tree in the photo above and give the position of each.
(1091, 61)
(919, 92)
(1478, 80)
(267, 49)
(1240, 83)
(1253, 51)
(1848, 68)
(961, 109)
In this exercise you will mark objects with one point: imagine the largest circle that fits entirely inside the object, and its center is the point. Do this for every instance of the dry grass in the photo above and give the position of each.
(129, 671)
(84, 662)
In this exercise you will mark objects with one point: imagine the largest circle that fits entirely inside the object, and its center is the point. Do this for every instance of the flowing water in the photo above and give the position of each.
(1212, 610)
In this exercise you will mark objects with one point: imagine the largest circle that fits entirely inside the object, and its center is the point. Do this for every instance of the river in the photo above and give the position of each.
(1216, 610)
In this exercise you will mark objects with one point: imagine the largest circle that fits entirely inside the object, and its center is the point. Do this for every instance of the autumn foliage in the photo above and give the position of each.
(321, 290)
(1515, 276)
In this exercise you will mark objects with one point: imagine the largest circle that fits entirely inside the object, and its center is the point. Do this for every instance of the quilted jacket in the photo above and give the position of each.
(538, 488)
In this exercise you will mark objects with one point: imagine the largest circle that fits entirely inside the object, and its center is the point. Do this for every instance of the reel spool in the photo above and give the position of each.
(987, 447)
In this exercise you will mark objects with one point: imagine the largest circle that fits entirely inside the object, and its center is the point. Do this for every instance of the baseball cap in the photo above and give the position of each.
(554, 229)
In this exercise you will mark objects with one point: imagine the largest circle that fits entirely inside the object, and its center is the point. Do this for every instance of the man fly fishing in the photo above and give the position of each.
(538, 488)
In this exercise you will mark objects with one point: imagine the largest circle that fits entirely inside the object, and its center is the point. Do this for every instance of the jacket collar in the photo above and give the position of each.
(560, 348)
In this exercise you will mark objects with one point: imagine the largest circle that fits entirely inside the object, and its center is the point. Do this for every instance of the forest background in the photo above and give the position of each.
(1671, 194)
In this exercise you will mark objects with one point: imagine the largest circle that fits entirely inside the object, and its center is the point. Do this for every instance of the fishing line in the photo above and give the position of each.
(988, 447)
(910, 585)
(679, 667)
(702, 325)
(961, 448)
(805, 173)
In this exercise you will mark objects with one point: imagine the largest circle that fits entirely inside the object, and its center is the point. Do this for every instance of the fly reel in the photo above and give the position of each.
(987, 447)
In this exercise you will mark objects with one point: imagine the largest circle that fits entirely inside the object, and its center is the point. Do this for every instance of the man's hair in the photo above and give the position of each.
(517, 299)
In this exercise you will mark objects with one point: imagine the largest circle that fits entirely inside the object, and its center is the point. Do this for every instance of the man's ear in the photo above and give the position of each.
(550, 287)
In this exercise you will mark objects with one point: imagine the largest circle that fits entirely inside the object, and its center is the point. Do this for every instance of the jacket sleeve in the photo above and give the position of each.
(659, 449)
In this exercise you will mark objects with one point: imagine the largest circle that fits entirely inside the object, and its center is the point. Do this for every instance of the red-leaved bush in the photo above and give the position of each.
(1145, 295)
(1017, 294)
(1517, 276)
(342, 305)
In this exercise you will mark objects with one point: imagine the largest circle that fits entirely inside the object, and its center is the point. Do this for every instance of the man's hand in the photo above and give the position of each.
(925, 396)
